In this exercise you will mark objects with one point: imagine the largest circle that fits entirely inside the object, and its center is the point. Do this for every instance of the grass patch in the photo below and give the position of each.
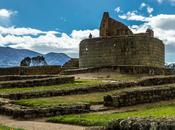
(102, 119)
(2, 127)
(67, 86)
(92, 98)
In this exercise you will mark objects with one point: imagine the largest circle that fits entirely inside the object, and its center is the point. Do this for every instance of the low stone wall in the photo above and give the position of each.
(37, 82)
(81, 90)
(142, 124)
(21, 112)
(91, 89)
(140, 96)
(121, 69)
(158, 80)
(38, 70)
(22, 77)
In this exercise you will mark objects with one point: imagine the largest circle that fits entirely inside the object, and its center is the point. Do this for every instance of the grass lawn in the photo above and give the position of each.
(102, 119)
(76, 84)
(92, 98)
(2, 127)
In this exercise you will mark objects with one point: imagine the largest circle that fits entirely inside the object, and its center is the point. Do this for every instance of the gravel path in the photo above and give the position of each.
(36, 125)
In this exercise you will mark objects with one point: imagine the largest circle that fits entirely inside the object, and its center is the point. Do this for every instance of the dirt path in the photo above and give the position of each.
(36, 125)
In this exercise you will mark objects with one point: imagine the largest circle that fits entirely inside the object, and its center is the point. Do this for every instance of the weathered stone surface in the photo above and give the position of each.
(22, 112)
(72, 63)
(120, 69)
(140, 96)
(142, 124)
(117, 45)
(122, 50)
(111, 27)
(37, 82)
(35, 70)
(23, 77)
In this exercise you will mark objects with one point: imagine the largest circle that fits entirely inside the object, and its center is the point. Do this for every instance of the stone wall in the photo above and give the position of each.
(122, 50)
(140, 96)
(37, 82)
(22, 77)
(39, 70)
(121, 69)
(22, 112)
(142, 124)
(81, 90)
(90, 89)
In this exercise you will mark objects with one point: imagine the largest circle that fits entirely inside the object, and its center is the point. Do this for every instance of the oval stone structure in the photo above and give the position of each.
(122, 50)
(119, 46)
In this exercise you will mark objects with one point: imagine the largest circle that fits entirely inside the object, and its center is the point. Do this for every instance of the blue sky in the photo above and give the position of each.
(59, 25)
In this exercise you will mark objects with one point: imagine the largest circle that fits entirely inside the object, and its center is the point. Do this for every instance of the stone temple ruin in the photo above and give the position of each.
(118, 46)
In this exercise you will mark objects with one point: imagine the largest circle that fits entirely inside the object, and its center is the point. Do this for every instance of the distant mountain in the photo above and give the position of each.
(10, 57)
(56, 58)
(171, 66)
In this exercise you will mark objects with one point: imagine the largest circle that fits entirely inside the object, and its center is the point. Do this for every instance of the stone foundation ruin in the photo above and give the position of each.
(117, 45)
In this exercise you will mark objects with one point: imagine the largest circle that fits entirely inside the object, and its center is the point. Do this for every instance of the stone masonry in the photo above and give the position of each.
(117, 45)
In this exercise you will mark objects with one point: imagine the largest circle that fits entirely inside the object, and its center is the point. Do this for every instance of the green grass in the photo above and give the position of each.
(92, 98)
(102, 119)
(2, 127)
(76, 84)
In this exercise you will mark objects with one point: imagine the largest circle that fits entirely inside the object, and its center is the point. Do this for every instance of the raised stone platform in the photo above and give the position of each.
(124, 69)
(122, 50)
(140, 96)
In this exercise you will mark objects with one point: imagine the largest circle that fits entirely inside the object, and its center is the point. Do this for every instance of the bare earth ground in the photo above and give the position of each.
(36, 125)
(109, 76)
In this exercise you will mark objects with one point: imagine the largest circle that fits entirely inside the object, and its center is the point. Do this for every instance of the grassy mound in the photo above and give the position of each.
(102, 119)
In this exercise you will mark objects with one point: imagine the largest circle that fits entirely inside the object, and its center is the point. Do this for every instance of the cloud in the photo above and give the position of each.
(5, 16)
(164, 29)
(118, 10)
(6, 13)
(133, 15)
(148, 8)
(161, 1)
(43, 41)
(142, 5)
(23, 31)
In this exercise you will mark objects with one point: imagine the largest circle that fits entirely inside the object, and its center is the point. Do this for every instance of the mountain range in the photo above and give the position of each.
(10, 57)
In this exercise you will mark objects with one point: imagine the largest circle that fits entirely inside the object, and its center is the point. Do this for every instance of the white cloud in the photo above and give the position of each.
(23, 31)
(5, 16)
(150, 9)
(133, 16)
(117, 9)
(6, 13)
(45, 42)
(161, 1)
(142, 5)
(164, 29)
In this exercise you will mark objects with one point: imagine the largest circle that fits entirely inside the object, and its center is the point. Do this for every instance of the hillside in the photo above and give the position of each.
(10, 57)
